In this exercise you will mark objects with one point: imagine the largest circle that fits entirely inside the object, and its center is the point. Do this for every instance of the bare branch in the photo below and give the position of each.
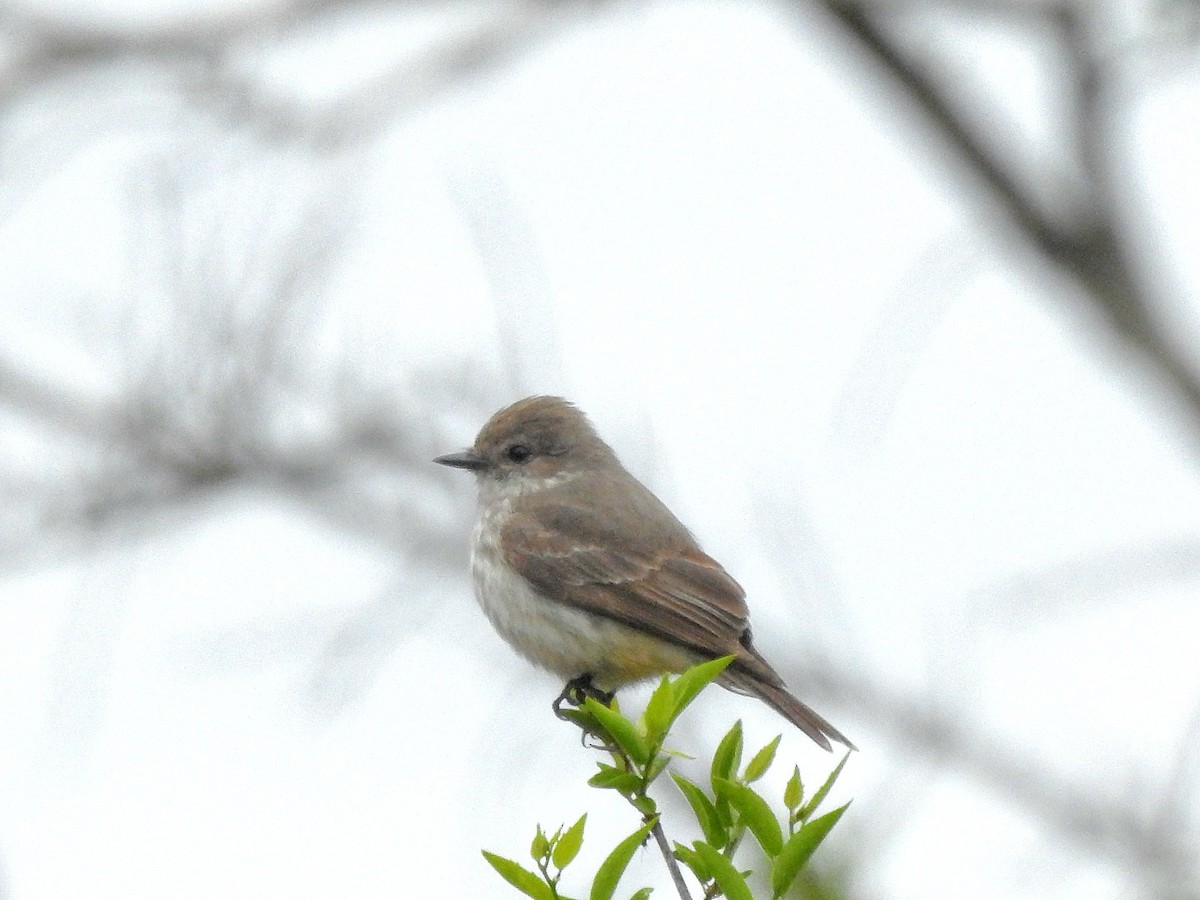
(1126, 830)
(1093, 250)
(197, 56)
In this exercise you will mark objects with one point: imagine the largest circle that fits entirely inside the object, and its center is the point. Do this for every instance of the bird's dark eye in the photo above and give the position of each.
(518, 453)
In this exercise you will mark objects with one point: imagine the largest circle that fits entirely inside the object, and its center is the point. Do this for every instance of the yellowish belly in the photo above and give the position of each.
(563, 639)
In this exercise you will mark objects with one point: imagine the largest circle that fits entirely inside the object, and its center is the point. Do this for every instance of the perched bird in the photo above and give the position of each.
(587, 574)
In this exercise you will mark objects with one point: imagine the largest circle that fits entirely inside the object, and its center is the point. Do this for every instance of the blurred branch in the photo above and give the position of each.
(1148, 834)
(219, 386)
(212, 397)
(202, 56)
(1093, 249)
(366, 474)
(1028, 597)
(53, 405)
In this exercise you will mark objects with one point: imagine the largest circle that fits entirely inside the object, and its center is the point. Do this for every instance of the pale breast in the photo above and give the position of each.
(553, 635)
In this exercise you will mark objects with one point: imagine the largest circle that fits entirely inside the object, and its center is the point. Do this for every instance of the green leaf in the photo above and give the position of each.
(725, 762)
(754, 812)
(581, 717)
(568, 845)
(540, 846)
(621, 780)
(706, 813)
(519, 877)
(622, 730)
(728, 756)
(758, 766)
(691, 682)
(642, 894)
(799, 848)
(656, 767)
(675, 754)
(692, 860)
(645, 805)
(605, 883)
(793, 794)
(811, 806)
(659, 712)
(728, 879)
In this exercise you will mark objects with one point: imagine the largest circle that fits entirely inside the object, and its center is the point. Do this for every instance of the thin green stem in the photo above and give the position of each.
(641, 793)
(672, 863)
(552, 882)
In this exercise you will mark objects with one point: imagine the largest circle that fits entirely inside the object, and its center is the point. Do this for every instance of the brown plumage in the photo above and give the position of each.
(564, 527)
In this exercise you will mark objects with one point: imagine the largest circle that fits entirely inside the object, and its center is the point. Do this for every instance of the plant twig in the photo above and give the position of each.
(575, 694)
(660, 837)
(1092, 249)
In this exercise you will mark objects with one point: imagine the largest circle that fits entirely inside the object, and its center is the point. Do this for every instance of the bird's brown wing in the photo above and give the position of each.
(669, 587)
(660, 583)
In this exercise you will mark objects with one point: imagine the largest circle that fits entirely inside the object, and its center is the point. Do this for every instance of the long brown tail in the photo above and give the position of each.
(778, 698)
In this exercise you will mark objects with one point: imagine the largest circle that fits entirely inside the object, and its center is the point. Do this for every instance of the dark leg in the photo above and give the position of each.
(577, 690)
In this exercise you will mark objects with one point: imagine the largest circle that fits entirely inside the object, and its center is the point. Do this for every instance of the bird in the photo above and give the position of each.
(587, 574)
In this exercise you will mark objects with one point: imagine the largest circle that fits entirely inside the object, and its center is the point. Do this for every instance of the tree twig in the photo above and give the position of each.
(1092, 250)
(592, 728)
(660, 837)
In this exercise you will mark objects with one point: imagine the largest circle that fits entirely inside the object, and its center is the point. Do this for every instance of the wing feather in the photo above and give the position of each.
(669, 588)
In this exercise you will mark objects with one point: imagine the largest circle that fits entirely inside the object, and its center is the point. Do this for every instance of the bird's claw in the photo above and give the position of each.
(576, 691)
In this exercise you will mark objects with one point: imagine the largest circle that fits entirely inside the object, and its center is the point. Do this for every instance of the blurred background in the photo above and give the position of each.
(895, 302)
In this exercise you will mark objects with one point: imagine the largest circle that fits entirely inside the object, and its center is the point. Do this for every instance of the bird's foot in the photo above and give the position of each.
(576, 691)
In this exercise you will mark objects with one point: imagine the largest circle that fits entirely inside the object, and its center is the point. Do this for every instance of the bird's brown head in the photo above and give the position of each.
(535, 439)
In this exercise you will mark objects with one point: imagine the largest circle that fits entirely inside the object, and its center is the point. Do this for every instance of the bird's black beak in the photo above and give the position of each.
(465, 459)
